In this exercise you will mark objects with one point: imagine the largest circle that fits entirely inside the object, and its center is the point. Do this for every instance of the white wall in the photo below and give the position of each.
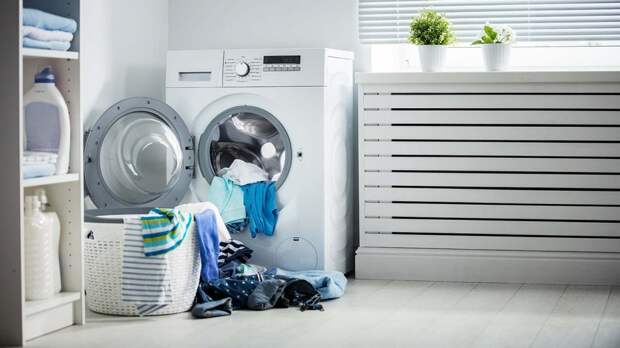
(124, 46)
(200, 24)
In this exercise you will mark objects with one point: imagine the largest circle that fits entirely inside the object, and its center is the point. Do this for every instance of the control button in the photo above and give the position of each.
(242, 69)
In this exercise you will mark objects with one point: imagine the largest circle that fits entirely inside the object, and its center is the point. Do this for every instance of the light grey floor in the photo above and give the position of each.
(385, 314)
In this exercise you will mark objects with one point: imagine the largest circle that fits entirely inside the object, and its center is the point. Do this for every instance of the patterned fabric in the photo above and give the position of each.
(145, 280)
(233, 250)
(163, 230)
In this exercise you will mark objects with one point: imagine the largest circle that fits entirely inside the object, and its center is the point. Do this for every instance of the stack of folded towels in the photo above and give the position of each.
(47, 31)
(37, 164)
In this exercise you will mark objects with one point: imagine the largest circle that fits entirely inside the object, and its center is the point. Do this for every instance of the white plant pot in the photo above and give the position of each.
(432, 57)
(496, 56)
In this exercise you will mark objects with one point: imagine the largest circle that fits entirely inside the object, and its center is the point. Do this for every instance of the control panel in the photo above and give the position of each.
(282, 63)
(243, 68)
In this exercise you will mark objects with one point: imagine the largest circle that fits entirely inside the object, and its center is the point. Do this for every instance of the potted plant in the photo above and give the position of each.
(496, 46)
(431, 32)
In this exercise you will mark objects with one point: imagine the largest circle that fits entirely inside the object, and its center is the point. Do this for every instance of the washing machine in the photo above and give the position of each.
(289, 111)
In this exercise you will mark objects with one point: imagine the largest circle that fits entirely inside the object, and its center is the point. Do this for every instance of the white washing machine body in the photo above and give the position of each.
(227, 104)
(315, 107)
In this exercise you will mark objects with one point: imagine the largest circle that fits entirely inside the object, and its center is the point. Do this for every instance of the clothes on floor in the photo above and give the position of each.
(228, 198)
(43, 20)
(243, 173)
(260, 292)
(233, 250)
(197, 208)
(238, 226)
(30, 171)
(208, 243)
(206, 307)
(235, 267)
(163, 230)
(145, 280)
(261, 207)
(329, 284)
(46, 35)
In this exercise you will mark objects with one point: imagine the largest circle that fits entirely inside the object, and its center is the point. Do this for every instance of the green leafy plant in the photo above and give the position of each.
(495, 35)
(430, 28)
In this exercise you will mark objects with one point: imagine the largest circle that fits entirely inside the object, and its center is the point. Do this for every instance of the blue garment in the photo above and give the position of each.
(38, 170)
(208, 243)
(260, 204)
(228, 198)
(37, 18)
(46, 45)
(329, 284)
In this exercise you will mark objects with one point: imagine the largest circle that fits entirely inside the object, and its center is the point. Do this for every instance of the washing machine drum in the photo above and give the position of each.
(141, 154)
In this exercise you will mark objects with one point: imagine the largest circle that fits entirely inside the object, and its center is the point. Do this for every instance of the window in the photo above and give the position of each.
(563, 22)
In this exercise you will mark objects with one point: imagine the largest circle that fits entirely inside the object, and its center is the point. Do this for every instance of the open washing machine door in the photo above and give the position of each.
(138, 154)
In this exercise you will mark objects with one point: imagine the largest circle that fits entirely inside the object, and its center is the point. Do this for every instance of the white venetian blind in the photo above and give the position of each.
(552, 21)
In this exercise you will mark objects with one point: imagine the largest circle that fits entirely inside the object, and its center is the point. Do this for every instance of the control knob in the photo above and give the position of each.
(242, 69)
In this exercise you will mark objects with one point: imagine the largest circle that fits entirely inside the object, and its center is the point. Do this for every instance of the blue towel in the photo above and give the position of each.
(260, 205)
(37, 170)
(329, 284)
(209, 244)
(228, 198)
(46, 45)
(48, 21)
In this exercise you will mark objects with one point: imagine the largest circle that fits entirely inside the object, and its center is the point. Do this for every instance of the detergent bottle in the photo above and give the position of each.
(47, 125)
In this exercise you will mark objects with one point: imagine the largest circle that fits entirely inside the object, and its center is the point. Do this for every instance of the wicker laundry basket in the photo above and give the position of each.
(104, 258)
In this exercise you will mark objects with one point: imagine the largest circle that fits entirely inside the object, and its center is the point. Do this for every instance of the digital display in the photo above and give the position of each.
(282, 60)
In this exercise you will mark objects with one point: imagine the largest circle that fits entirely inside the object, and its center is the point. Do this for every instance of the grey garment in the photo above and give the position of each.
(266, 294)
(213, 308)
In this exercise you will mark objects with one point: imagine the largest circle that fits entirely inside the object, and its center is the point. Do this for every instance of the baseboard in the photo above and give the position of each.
(487, 266)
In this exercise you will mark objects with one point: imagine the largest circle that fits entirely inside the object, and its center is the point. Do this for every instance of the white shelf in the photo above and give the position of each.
(51, 180)
(37, 53)
(34, 307)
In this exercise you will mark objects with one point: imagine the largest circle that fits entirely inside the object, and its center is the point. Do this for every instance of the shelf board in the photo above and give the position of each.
(62, 298)
(51, 180)
(37, 53)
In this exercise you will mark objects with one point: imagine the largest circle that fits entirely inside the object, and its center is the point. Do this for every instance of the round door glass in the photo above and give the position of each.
(140, 158)
(249, 134)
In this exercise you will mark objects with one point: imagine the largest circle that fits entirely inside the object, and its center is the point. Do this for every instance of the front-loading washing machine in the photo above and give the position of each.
(289, 111)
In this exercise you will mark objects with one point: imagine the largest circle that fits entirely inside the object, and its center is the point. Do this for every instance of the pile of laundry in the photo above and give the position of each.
(227, 280)
(37, 164)
(245, 198)
(44, 30)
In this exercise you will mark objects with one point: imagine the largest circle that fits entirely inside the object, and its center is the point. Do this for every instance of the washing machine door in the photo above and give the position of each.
(250, 134)
(138, 154)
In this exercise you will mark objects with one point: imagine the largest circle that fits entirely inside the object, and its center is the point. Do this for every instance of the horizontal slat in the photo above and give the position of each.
(408, 194)
(489, 149)
(490, 101)
(492, 133)
(486, 227)
(569, 181)
(483, 211)
(480, 164)
(520, 117)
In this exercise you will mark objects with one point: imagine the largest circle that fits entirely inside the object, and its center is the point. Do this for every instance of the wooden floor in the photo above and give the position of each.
(385, 314)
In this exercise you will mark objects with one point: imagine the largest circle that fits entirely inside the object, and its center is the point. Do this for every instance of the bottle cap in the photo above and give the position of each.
(45, 76)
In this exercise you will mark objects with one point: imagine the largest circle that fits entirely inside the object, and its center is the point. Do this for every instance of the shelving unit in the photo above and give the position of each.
(24, 320)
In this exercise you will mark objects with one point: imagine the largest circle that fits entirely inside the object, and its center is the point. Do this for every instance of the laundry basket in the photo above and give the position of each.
(104, 258)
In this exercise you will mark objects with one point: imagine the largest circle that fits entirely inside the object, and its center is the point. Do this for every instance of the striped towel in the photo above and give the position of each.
(145, 280)
(163, 230)
(233, 250)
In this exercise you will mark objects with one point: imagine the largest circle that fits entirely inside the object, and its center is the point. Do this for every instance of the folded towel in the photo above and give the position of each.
(46, 45)
(48, 21)
(46, 35)
(38, 170)
(35, 157)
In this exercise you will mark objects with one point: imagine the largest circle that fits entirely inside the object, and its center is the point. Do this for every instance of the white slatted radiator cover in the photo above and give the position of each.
(474, 167)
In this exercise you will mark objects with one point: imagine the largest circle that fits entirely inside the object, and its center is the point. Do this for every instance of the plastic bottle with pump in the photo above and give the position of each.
(47, 124)
(42, 243)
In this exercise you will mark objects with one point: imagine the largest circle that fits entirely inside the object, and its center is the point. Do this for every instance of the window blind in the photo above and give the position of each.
(551, 21)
